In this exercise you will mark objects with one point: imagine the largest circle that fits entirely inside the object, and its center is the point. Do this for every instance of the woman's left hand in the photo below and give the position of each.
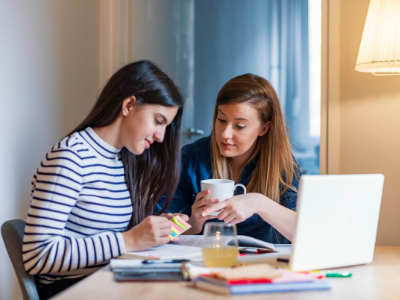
(238, 208)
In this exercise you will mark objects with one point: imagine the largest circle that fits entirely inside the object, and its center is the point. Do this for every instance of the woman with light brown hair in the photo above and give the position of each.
(249, 144)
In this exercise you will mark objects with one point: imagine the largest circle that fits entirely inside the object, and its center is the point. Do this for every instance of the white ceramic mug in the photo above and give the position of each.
(221, 189)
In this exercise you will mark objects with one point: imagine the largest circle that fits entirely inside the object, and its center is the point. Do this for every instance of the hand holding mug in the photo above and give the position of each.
(201, 203)
(238, 208)
(220, 189)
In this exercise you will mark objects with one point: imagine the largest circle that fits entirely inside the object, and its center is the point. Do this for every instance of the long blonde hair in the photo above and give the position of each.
(275, 168)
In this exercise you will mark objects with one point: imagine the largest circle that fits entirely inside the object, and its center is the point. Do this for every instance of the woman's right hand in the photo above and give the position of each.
(199, 206)
(152, 231)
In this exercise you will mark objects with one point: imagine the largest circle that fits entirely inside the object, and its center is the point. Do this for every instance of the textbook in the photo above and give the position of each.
(252, 288)
(260, 278)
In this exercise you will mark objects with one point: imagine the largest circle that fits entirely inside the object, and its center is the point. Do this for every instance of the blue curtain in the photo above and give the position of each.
(268, 38)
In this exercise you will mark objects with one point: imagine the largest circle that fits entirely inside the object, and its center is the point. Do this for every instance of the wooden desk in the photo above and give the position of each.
(379, 280)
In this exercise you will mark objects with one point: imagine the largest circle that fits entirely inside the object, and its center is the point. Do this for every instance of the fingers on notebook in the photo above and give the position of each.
(165, 231)
(175, 239)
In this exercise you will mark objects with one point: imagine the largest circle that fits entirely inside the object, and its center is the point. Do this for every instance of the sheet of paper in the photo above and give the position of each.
(196, 268)
(171, 251)
(118, 263)
(190, 240)
(281, 251)
(189, 247)
(283, 248)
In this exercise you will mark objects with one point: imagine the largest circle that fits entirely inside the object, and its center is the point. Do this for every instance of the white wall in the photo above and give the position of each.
(369, 127)
(49, 77)
(163, 32)
(50, 55)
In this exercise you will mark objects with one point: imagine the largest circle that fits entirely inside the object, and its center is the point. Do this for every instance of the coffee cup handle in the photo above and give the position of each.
(241, 185)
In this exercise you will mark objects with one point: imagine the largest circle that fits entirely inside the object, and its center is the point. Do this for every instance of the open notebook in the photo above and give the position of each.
(167, 251)
(130, 267)
(244, 241)
(189, 247)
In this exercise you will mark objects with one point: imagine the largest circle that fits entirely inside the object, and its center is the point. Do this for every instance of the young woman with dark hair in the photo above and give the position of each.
(94, 193)
(249, 144)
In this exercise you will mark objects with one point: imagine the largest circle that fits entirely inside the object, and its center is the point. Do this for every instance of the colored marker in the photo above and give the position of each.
(343, 274)
(163, 261)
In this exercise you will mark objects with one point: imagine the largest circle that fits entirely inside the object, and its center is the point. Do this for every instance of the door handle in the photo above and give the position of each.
(193, 132)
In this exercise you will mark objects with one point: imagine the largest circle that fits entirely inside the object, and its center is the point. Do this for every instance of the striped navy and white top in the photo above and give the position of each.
(80, 204)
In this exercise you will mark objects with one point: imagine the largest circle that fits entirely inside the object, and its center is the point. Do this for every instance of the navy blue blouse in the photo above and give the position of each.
(197, 166)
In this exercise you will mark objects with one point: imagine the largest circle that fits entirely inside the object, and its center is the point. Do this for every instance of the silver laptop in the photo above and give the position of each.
(337, 221)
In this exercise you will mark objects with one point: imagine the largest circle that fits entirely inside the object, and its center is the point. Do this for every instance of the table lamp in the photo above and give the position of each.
(379, 51)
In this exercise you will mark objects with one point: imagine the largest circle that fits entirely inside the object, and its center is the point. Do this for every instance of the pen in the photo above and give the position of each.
(264, 251)
(251, 250)
(165, 261)
(245, 254)
(343, 274)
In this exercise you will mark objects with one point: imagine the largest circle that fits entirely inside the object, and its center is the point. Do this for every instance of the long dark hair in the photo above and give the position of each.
(155, 172)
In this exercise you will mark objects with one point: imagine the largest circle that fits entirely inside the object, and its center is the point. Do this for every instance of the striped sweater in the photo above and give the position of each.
(80, 205)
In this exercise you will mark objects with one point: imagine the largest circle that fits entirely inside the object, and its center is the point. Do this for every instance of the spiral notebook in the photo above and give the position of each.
(136, 265)
(135, 270)
(149, 276)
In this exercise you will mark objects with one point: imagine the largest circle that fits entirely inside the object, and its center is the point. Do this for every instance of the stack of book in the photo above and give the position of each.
(146, 270)
(260, 278)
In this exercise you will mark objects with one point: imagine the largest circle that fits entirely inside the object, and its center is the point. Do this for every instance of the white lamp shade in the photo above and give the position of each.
(380, 44)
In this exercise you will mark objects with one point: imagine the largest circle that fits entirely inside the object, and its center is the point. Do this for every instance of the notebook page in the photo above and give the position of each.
(169, 251)
(190, 240)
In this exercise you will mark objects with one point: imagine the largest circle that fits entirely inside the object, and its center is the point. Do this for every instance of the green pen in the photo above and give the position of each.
(343, 274)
